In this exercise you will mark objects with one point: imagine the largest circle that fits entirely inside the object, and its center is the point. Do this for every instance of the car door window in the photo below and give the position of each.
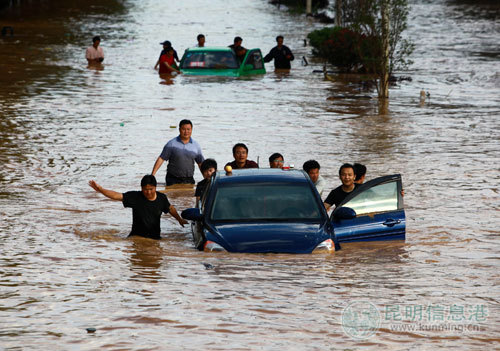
(379, 198)
(254, 58)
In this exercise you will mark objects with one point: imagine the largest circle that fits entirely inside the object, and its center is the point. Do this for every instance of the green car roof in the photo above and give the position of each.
(221, 61)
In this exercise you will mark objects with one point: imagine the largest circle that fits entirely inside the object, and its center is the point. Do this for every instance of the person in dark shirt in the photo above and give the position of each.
(337, 195)
(166, 47)
(281, 55)
(147, 206)
(239, 50)
(208, 167)
(240, 154)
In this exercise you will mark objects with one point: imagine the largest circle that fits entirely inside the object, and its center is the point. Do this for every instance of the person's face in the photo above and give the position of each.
(96, 43)
(238, 43)
(347, 176)
(277, 163)
(208, 172)
(201, 41)
(170, 52)
(149, 191)
(185, 131)
(314, 174)
(240, 154)
(280, 41)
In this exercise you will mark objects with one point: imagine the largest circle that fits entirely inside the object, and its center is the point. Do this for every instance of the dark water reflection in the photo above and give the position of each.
(66, 264)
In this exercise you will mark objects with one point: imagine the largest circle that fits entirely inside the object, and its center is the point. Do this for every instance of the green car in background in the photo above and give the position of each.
(221, 61)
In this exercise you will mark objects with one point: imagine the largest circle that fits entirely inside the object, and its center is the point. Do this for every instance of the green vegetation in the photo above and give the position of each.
(370, 40)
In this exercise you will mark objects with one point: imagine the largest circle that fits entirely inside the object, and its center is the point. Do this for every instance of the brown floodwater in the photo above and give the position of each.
(67, 265)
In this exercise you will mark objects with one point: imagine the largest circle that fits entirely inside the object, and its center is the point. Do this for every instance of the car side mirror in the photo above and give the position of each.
(344, 213)
(248, 67)
(192, 214)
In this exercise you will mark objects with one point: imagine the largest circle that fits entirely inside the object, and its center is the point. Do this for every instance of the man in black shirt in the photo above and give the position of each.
(281, 54)
(337, 195)
(147, 206)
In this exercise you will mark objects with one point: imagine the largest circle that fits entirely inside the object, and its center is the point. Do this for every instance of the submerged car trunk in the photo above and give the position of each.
(285, 237)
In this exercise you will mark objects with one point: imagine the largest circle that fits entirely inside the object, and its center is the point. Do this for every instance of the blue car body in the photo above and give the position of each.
(378, 212)
(274, 210)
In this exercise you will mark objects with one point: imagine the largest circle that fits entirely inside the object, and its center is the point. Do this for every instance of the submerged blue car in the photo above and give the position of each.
(280, 211)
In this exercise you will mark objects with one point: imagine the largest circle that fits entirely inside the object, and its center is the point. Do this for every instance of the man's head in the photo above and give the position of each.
(360, 171)
(208, 167)
(240, 153)
(166, 44)
(96, 41)
(237, 41)
(185, 129)
(148, 186)
(347, 175)
(201, 40)
(312, 167)
(279, 40)
(276, 160)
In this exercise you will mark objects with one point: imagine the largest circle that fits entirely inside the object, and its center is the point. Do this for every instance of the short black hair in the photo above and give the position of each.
(359, 170)
(275, 156)
(207, 164)
(200, 36)
(237, 39)
(185, 121)
(148, 179)
(279, 36)
(96, 38)
(239, 145)
(347, 165)
(310, 165)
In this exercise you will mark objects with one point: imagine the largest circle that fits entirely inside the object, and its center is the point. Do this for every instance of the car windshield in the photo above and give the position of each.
(280, 202)
(210, 60)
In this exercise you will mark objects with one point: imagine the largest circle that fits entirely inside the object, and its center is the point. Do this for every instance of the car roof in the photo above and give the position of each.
(210, 48)
(261, 175)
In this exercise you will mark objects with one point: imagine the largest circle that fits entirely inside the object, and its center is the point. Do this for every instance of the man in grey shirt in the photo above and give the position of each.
(181, 152)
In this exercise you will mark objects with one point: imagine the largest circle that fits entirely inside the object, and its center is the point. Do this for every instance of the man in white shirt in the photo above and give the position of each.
(201, 41)
(94, 53)
(312, 167)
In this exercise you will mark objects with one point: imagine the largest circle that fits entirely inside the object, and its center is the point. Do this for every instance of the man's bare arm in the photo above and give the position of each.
(113, 195)
(156, 167)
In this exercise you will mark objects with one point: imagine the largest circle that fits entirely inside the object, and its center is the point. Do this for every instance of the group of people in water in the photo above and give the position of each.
(168, 59)
(181, 153)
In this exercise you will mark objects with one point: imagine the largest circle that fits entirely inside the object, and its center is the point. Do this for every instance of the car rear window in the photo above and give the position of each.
(210, 60)
(265, 202)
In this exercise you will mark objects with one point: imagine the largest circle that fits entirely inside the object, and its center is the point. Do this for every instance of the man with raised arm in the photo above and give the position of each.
(147, 206)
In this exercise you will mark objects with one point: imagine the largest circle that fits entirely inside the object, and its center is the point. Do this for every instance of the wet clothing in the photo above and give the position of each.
(169, 60)
(248, 164)
(279, 56)
(146, 214)
(320, 185)
(200, 187)
(181, 158)
(337, 195)
(163, 52)
(92, 53)
(240, 51)
(171, 180)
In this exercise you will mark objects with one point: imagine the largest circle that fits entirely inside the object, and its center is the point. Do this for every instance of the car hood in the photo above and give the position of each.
(286, 237)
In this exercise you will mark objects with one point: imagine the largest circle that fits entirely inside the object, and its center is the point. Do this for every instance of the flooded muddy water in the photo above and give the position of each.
(66, 264)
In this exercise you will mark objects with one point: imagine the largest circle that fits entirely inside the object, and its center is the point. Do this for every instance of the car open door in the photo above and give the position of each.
(378, 212)
(253, 63)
